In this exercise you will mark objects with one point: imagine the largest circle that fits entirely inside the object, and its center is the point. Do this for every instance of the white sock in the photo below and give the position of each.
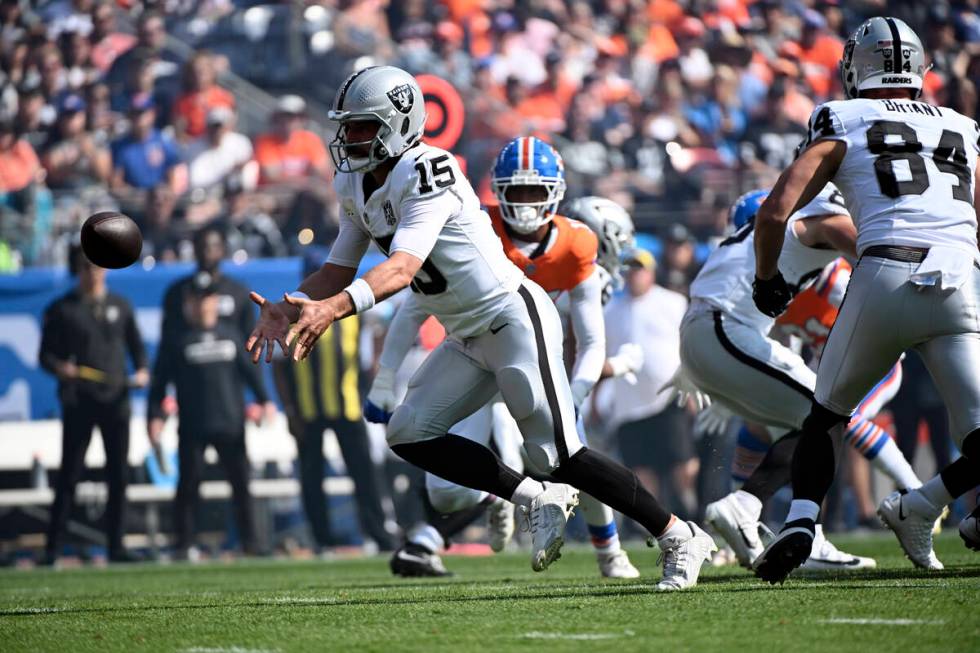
(802, 509)
(891, 462)
(748, 501)
(678, 529)
(427, 536)
(526, 491)
(935, 493)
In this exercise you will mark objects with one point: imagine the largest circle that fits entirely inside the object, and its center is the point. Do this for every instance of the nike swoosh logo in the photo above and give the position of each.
(412, 558)
(498, 329)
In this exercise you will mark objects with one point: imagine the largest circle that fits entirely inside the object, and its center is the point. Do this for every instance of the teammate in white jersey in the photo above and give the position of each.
(907, 171)
(504, 332)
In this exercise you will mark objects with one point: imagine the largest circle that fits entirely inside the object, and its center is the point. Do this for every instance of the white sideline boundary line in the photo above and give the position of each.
(882, 622)
(227, 649)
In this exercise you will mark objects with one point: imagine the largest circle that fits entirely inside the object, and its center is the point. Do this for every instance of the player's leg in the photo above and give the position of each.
(234, 459)
(76, 433)
(875, 443)
(527, 360)
(354, 445)
(970, 530)
(309, 442)
(952, 361)
(861, 348)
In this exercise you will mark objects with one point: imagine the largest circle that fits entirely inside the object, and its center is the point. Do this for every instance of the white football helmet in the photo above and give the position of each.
(387, 95)
(871, 59)
(611, 224)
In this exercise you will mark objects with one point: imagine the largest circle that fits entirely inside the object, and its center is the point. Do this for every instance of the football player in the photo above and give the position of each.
(560, 254)
(907, 171)
(781, 382)
(504, 332)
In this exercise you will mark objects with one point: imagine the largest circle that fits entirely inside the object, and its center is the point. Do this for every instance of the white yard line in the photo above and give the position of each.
(882, 622)
(227, 649)
(577, 636)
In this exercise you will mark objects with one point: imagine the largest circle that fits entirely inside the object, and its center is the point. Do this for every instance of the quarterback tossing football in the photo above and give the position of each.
(111, 240)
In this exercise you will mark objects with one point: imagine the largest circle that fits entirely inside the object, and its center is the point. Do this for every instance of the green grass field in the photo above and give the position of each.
(493, 604)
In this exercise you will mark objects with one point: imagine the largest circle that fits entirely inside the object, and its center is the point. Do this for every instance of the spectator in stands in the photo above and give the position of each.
(86, 337)
(320, 393)
(107, 42)
(201, 94)
(771, 138)
(145, 158)
(209, 367)
(71, 157)
(141, 80)
(25, 204)
(290, 153)
(76, 52)
(161, 239)
(654, 435)
(54, 77)
(679, 263)
(33, 117)
(820, 54)
(218, 154)
(151, 38)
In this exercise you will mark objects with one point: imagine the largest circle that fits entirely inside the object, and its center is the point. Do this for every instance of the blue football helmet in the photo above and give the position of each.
(528, 161)
(745, 207)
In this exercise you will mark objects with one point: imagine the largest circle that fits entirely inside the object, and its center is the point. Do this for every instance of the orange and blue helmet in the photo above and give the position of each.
(745, 207)
(528, 161)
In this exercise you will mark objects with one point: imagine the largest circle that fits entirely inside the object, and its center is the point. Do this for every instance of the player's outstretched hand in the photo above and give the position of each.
(683, 390)
(272, 327)
(771, 296)
(713, 420)
(314, 318)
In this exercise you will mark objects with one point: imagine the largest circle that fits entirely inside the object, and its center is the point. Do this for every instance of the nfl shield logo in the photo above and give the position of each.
(402, 97)
(389, 213)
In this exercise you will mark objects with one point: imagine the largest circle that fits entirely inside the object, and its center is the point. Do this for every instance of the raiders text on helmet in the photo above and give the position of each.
(883, 53)
(387, 95)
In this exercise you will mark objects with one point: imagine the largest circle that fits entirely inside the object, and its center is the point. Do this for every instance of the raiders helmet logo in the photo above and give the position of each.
(402, 97)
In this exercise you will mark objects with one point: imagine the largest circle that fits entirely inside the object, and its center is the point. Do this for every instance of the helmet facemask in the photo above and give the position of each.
(525, 215)
(359, 156)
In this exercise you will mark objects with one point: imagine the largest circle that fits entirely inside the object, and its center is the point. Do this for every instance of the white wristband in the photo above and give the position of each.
(361, 294)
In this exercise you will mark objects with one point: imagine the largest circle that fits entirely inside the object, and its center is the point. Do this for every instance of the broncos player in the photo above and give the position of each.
(504, 333)
(560, 255)
(907, 170)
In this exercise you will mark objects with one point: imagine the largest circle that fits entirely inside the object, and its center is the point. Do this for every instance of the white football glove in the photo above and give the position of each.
(627, 361)
(682, 389)
(713, 420)
(380, 401)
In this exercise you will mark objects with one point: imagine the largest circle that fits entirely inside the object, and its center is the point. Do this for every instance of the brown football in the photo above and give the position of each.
(111, 240)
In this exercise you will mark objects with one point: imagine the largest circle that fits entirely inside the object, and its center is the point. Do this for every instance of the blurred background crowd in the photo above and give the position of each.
(187, 114)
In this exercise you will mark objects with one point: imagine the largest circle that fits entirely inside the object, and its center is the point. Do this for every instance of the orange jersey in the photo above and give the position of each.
(569, 261)
(812, 313)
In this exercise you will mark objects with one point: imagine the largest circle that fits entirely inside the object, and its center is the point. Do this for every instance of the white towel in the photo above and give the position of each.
(947, 267)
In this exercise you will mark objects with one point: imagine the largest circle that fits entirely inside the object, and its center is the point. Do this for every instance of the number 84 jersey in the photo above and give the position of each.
(427, 208)
(908, 174)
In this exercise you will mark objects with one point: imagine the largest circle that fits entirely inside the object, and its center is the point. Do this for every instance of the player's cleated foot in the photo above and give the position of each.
(738, 525)
(414, 560)
(546, 519)
(970, 531)
(616, 565)
(824, 555)
(912, 528)
(682, 558)
(500, 523)
(789, 550)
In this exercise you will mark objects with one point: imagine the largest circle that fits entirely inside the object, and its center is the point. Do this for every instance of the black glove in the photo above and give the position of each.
(771, 296)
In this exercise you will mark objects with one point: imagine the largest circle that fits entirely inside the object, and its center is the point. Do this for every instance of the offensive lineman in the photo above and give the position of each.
(560, 254)
(504, 331)
(907, 171)
(726, 351)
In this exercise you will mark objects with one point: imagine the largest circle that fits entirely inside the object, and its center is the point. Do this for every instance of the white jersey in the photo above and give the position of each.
(908, 173)
(725, 281)
(428, 209)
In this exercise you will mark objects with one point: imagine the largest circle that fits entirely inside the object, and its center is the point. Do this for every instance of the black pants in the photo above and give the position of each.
(353, 440)
(231, 453)
(77, 422)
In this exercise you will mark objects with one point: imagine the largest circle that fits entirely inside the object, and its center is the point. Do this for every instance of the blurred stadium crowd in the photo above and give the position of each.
(192, 113)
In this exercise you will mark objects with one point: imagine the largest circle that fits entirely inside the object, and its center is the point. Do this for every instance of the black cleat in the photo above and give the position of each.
(414, 560)
(789, 550)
